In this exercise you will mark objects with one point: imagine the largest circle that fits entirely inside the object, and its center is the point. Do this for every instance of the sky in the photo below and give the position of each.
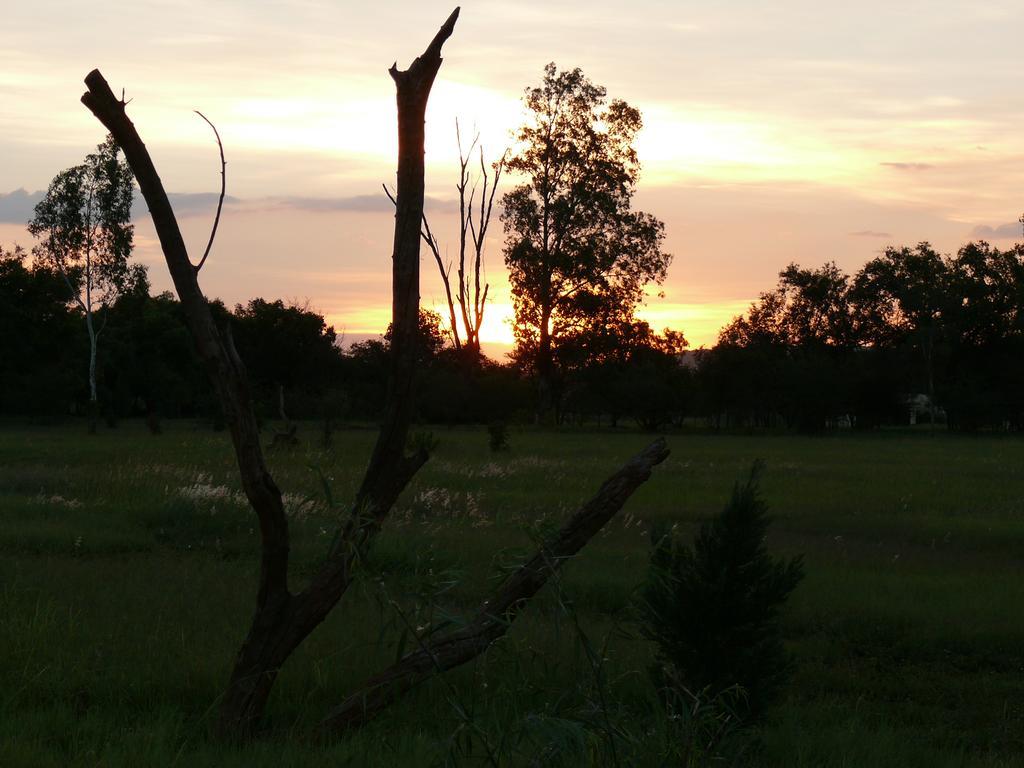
(774, 132)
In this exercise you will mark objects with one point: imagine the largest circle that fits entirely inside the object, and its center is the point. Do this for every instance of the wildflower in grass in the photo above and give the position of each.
(58, 501)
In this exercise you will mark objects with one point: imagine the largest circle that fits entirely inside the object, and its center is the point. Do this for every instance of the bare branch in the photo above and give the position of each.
(223, 189)
(259, 659)
(435, 249)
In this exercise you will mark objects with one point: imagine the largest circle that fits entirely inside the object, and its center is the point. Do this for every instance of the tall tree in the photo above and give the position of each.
(900, 297)
(85, 232)
(573, 246)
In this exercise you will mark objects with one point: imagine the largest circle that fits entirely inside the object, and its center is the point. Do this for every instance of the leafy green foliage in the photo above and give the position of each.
(84, 227)
(713, 609)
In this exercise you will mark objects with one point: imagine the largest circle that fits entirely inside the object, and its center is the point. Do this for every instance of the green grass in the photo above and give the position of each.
(124, 596)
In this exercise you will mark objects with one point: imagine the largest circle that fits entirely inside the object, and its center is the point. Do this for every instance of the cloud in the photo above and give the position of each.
(362, 203)
(17, 207)
(908, 166)
(869, 233)
(359, 203)
(187, 203)
(1010, 231)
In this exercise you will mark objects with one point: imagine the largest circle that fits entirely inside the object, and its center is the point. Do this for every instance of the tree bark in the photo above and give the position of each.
(217, 351)
(439, 653)
(283, 620)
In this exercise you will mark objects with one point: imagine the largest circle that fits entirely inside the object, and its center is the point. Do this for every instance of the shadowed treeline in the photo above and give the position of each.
(910, 332)
(913, 335)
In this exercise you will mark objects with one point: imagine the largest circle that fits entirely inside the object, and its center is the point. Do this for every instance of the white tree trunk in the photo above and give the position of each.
(93, 398)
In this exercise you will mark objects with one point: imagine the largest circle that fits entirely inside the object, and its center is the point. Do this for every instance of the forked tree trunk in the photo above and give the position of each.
(283, 619)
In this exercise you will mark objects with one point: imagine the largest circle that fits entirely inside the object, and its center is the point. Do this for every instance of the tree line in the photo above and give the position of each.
(912, 334)
(149, 367)
(911, 331)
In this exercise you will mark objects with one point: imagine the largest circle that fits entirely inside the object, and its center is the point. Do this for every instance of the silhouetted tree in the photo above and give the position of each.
(804, 333)
(982, 381)
(900, 297)
(573, 247)
(474, 220)
(84, 226)
(151, 366)
(625, 369)
(287, 348)
(40, 357)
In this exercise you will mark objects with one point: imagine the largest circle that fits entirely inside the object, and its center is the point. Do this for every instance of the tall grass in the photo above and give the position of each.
(124, 595)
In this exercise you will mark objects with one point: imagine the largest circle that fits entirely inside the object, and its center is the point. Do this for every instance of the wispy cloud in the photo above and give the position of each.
(870, 233)
(358, 203)
(1011, 231)
(908, 166)
(16, 207)
(187, 203)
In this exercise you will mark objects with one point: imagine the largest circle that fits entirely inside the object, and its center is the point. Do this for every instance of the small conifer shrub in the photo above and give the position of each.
(713, 608)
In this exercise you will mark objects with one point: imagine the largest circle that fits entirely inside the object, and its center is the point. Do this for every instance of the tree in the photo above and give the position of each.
(150, 365)
(474, 219)
(573, 247)
(84, 226)
(626, 369)
(809, 308)
(283, 618)
(39, 364)
(900, 297)
(286, 347)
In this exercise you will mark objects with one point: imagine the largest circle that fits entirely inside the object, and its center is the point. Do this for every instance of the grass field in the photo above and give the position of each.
(127, 577)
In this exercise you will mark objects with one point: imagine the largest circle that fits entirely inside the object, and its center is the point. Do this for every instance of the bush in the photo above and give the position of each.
(713, 608)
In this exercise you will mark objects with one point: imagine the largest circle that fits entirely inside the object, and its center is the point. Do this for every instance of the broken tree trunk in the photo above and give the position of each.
(438, 653)
(217, 351)
(283, 620)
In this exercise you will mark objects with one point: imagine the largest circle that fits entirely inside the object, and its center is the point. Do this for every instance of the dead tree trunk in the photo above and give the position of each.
(472, 226)
(283, 619)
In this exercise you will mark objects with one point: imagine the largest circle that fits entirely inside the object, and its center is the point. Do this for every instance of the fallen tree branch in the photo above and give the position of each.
(442, 652)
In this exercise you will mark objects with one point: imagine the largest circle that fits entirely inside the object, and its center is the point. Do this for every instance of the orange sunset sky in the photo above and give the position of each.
(774, 131)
